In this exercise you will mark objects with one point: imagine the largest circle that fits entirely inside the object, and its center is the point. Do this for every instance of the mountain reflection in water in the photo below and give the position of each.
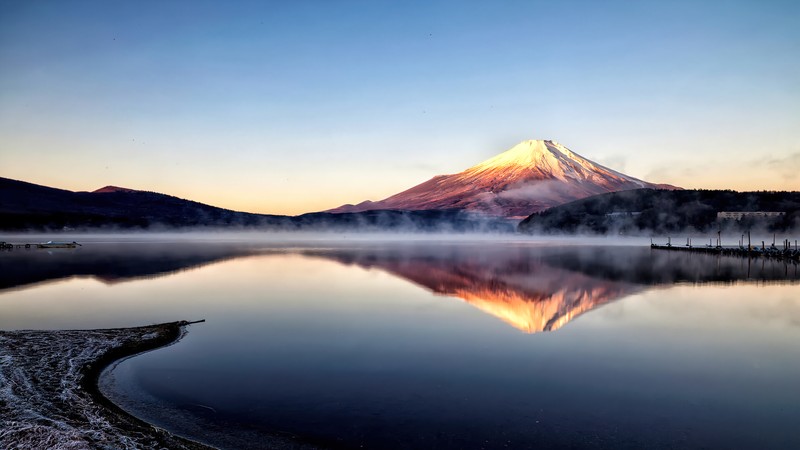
(541, 289)
(515, 286)
(532, 288)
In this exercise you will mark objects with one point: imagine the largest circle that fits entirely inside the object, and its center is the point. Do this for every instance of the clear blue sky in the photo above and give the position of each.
(296, 106)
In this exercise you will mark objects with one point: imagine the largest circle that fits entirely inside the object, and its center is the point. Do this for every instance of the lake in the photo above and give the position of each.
(435, 343)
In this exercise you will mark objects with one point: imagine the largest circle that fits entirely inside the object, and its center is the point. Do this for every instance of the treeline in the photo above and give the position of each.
(645, 211)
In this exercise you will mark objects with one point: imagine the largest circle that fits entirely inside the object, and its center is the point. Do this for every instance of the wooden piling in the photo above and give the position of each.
(786, 254)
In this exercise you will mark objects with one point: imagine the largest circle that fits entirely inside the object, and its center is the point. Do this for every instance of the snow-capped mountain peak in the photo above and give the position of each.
(529, 177)
(549, 159)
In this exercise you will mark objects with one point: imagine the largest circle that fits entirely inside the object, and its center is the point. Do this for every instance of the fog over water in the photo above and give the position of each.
(432, 341)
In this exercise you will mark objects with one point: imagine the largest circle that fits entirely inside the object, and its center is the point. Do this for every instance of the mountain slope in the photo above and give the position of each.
(28, 207)
(532, 176)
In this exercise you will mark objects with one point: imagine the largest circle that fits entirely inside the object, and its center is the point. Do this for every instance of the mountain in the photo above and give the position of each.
(31, 207)
(649, 211)
(530, 177)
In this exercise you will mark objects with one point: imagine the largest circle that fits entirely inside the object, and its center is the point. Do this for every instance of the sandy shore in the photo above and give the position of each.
(49, 396)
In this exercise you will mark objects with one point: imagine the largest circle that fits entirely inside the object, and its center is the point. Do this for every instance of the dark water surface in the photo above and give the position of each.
(437, 344)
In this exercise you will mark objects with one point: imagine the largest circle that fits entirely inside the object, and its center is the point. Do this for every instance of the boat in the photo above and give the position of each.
(53, 244)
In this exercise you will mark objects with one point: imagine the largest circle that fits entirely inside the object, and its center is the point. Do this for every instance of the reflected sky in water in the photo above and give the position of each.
(452, 345)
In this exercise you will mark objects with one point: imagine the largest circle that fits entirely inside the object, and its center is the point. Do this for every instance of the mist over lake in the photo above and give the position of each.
(426, 342)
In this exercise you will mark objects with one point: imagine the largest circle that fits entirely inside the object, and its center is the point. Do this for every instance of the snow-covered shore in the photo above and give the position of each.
(49, 396)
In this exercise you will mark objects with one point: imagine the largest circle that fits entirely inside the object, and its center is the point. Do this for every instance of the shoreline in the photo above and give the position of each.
(172, 333)
(49, 392)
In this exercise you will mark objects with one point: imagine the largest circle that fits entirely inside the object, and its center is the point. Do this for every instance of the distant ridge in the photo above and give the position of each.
(30, 207)
(531, 176)
(107, 189)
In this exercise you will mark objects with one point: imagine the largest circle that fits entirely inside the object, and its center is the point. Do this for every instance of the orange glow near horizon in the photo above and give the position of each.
(251, 193)
(302, 114)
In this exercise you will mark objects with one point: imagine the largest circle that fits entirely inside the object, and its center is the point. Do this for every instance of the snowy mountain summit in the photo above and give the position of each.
(531, 176)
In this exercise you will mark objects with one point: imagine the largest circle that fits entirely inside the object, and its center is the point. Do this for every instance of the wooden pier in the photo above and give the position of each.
(785, 251)
(49, 244)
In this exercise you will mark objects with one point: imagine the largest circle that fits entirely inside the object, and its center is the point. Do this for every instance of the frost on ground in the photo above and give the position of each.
(48, 395)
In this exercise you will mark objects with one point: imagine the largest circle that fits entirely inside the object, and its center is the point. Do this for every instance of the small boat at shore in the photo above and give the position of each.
(53, 244)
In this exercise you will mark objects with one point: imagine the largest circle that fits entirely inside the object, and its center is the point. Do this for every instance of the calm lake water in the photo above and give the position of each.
(428, 344)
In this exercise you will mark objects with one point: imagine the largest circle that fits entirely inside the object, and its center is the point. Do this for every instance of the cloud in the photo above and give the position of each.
(534, 191)
(788, 167)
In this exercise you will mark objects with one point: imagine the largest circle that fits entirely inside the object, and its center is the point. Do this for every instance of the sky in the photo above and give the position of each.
(288, 107)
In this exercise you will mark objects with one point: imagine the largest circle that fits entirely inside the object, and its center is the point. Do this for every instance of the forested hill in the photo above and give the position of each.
(644, 211)
(31, 207)
(27, 206)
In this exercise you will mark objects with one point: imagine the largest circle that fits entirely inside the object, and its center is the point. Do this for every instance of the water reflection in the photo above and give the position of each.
(353, 343)
(542, 289)
(111, 263)
(532, 288)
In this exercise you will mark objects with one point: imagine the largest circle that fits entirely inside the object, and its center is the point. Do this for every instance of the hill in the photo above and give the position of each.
(31, 207)
(644, 211)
